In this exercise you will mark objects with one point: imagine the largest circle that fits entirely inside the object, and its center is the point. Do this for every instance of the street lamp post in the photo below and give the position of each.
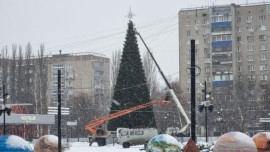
(206, 105)
(4, 109)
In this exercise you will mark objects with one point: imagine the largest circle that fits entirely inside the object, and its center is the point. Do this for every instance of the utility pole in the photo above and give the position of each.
(59, 110)
(206, 130)
(193, 93)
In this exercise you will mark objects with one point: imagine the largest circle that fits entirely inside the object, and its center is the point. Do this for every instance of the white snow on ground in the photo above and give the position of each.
(84, 147)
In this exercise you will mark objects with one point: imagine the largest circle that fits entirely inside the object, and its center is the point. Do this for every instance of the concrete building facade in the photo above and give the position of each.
(232, 45)
(80, 74)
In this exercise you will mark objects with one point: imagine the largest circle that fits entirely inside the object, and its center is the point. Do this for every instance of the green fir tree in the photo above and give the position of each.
(131, 88)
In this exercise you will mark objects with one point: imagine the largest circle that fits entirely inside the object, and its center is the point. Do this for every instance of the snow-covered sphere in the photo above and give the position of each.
(12, 143)
(48, 143)
(262, 141)
(163, 143)
(235, 142)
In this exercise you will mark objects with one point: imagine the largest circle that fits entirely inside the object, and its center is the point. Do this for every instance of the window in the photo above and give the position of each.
(188, 80)
(238, 48)
(207, 69)
(263, 77)
(196, 22)
(206, 50)
(250, 38)
(239, 68)
(138, 132)
(251, 68)
(238, 29)
(198, 90)
(206, 60)
(263, 47)
(205, 21)
(251, 78)
(188, 61)
(197, 61)
(188, 33)
(238, 38)
(240, 78)
(207, 79)
(187, 23)
(250, 58)
(197, 51)
(221, 38)
(250, 48)
(250, 28)
(188, 90)
(188, 51)
(262, 57)
(251, 108)
(197, 41)
(206, 40)
(197, 70)
(262, 17)
(206, 31)
(197, 80)
(262, 37)
(188, 42)
(239, 59)
(99, 73)
(249, 18)
(263, 67)
(262, 27)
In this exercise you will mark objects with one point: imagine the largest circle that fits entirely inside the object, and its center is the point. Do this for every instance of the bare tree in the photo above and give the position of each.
(13, 76)
(40, 82)
(169, 115)
(84, 109)
(4, 65)
(236, 107)
(116, 59)
(20, 77)
(150, 71)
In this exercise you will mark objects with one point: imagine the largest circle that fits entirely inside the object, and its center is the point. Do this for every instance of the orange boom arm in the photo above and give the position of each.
(99, 121)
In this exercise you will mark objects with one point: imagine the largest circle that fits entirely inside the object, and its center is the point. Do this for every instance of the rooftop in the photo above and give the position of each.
(206, 7)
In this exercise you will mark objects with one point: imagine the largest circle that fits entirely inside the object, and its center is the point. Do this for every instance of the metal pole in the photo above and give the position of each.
(193, 93)
(59, 110)
(206, 130)
(4, 110)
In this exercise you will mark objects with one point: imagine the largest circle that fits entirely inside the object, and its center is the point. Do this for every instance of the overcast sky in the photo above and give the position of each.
(97, 25)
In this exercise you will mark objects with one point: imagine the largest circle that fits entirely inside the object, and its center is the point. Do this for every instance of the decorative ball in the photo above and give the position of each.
(262, 141)
(12, 143)
(163, 143)
(235, 142)
(48, 143)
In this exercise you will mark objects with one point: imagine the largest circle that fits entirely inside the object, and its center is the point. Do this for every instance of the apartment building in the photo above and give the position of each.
(232, 45)
(86, 73)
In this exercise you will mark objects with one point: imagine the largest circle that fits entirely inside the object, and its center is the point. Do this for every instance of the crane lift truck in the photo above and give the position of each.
(99, 135)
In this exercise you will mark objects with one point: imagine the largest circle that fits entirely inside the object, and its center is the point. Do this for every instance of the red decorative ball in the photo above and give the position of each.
(262, 141)
(235, 142)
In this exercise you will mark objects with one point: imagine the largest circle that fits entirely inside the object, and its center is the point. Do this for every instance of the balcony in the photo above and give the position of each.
(221, 43)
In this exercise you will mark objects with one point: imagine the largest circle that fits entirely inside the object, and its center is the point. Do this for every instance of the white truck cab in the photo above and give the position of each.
(128, 137)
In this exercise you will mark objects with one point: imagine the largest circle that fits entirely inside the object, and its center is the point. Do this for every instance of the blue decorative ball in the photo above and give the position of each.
(163, 143)
(12, 143)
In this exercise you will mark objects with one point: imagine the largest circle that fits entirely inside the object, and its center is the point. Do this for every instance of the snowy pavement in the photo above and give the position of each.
(84, 147)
